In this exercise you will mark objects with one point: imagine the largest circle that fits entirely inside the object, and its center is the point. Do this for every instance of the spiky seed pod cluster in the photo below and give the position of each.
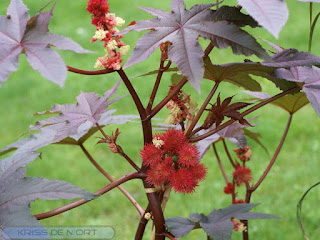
(173, 161)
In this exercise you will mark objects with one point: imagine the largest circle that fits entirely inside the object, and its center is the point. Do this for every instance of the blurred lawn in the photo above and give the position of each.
(297, 168)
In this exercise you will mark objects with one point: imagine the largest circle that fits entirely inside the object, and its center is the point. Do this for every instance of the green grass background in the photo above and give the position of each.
(296, 169)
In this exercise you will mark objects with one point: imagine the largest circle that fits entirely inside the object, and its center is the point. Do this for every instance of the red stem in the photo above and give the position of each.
(228, 154)
(174, 91)
(125, 156)
(85, 72)
(250, 190)
(131, 199)
(142, 225)
(250, 110)
(133, 93)
(274, 156)
(177, 88)
(101, 191)
(220, 164)
(203, 107)
(157, 83)
(170, 236)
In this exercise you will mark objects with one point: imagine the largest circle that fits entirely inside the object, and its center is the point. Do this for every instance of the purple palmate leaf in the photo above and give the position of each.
(181, 28)
(218, 224)
(233, 133)
(291, 58)
(310, 76)
(270, 14)
(234, 16)
(18, 191)
(78, 119)
(19, 33)
(51, 134)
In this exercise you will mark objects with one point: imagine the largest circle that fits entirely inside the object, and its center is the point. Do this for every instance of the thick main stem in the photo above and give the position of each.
(147, 134)
(80, 202)
(152, 197)
(133, 93)
(111, 179)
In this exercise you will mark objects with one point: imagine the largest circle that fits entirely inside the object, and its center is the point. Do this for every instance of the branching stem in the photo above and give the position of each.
(274, 156)
(85, 72)
(250, 190)
(121, 153)
(156, 85)
(220, 164)
(203, 107)
(133, 93)
(125, 178)
(177, 88)
(250, 110)
(228, 153)
(131, 199)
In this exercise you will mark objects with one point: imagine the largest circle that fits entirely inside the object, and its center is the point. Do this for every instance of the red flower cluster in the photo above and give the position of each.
(106, 29)
(173, 161)
(98, 9)
(244, 154)
(242, 175)
(181, 107)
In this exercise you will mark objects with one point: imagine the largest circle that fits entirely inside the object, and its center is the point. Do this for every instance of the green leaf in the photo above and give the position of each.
(292, 103)
(255, 136)
(176, 78)
(236, 73)
(282, 84)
